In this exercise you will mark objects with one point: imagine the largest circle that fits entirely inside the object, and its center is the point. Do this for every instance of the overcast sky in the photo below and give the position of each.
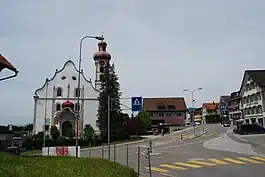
(159, 47)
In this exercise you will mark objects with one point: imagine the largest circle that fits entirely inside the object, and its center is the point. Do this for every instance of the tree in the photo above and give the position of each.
(28, 128)
(55, 133)
(145, 119)
(110, 87)
(89, 132)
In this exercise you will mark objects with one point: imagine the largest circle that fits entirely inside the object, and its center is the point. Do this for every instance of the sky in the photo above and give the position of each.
(159, 47)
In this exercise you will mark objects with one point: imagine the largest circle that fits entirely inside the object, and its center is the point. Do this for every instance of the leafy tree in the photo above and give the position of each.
(28, 128)
(110, 87)
(145, 119)
(55, 133)
(89, 132)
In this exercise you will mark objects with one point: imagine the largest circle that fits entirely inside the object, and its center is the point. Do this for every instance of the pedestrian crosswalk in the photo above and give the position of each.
(206, 163)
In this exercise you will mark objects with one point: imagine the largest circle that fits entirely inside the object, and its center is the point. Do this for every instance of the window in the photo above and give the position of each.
(171, 107)
(63, 77)
(161, 114)
(77, 92)
(101, 69)
(58, 107)
(151, 114)
(101, 63)
(161, 107)
(101, 77)
(168, 114)
(77, 107)
(178, 113)
(59, 91)
(74, 78)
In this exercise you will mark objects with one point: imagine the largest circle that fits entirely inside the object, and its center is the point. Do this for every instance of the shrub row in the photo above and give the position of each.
(30, 144)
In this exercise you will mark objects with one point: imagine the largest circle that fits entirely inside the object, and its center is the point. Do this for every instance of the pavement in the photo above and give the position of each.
(212, 152)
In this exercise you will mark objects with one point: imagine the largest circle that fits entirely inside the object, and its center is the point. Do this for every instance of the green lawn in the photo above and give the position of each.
(19, 166)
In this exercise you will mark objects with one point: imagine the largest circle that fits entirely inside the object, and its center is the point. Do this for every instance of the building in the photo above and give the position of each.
(5, 64)
(223, 107)
(233, 106)
(197, 115)
(166, 111)
(253, 97)
(57, 98)
(209, 109)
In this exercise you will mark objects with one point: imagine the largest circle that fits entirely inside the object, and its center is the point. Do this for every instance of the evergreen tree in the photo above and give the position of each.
(110, 87)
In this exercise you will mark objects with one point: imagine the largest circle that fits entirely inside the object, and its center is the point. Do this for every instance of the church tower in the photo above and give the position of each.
(101, 58)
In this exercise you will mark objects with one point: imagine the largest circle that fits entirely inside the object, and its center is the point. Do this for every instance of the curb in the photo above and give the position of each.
(247, 142)
(140, 141)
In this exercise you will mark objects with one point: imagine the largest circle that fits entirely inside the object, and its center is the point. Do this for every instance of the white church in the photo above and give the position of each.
(57, 98)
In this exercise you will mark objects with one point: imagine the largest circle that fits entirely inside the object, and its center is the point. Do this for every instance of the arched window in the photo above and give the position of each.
(58, 107)
(101, 77)
(59, 91)
(77, 107)
(77, 92)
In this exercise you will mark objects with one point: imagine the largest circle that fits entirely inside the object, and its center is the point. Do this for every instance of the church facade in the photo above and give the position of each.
(57, 99)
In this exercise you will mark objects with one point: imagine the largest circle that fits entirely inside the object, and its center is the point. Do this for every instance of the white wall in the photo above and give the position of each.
(69, 70)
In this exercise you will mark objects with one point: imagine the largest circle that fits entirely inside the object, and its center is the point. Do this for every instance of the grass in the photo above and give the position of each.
(19, 166)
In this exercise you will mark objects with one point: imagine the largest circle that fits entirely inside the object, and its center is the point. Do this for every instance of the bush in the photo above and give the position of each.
(47, 166)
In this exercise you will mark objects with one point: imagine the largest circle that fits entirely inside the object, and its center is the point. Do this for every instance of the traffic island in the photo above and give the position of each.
(189, 137)
(48, 166)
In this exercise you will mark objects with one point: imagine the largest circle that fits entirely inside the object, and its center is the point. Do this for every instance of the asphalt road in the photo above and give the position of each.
(211, 154)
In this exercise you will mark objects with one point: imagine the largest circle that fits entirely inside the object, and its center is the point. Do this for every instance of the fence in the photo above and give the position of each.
(131, 155)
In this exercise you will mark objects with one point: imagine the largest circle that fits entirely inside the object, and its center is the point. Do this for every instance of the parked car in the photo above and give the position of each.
(250, 129)
(226, 124)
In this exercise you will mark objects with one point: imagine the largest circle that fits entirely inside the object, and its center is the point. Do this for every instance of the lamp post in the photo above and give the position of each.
(192, 103)
(78, 86)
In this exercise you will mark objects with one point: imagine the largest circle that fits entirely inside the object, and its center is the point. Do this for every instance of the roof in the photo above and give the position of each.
(210, 106)
(4, 63)
(258, 76)
(151, 104)
(225, 97)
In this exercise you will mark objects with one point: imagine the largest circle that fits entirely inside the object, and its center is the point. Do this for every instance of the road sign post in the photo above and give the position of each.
(137, 104)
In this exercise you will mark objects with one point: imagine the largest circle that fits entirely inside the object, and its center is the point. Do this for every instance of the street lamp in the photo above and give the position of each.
(192, 103)
(78, 86)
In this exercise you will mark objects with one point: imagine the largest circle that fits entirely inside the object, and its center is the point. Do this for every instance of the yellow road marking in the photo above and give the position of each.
(259, 158)
(249, 160)
(158, 169)
(173, 167)
(219, 162)
(233, 161)
(187, 165)
(201, 162)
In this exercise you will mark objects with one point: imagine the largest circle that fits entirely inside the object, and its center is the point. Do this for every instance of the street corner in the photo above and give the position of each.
(204, 163)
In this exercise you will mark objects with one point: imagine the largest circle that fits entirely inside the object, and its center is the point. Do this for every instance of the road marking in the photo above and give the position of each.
(158, 169)
(259, 158)
(201, 163)
(249, 160)
(187, 165)
(173, 167)
(219, 162)
(233, 161)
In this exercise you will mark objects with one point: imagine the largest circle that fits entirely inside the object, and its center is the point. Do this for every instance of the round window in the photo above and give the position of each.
(63, 77)
(74, 78)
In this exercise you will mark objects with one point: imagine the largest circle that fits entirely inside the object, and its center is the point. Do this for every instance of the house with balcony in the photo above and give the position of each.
(209, 109)
(234, 112)
(253, 97)
(223, 107)
(171, 112)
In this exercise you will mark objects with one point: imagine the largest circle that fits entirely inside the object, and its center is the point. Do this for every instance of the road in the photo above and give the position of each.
(212, 154)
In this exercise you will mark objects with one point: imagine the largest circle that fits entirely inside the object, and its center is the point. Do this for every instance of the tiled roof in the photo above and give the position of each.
(210, 106)
(6, 64)
(151, 104)
(258, 76)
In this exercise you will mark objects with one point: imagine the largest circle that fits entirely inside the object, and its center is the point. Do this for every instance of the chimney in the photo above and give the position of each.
(213, 103)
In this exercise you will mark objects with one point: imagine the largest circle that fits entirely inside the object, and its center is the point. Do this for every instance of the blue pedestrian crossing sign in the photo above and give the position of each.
(137, 104)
